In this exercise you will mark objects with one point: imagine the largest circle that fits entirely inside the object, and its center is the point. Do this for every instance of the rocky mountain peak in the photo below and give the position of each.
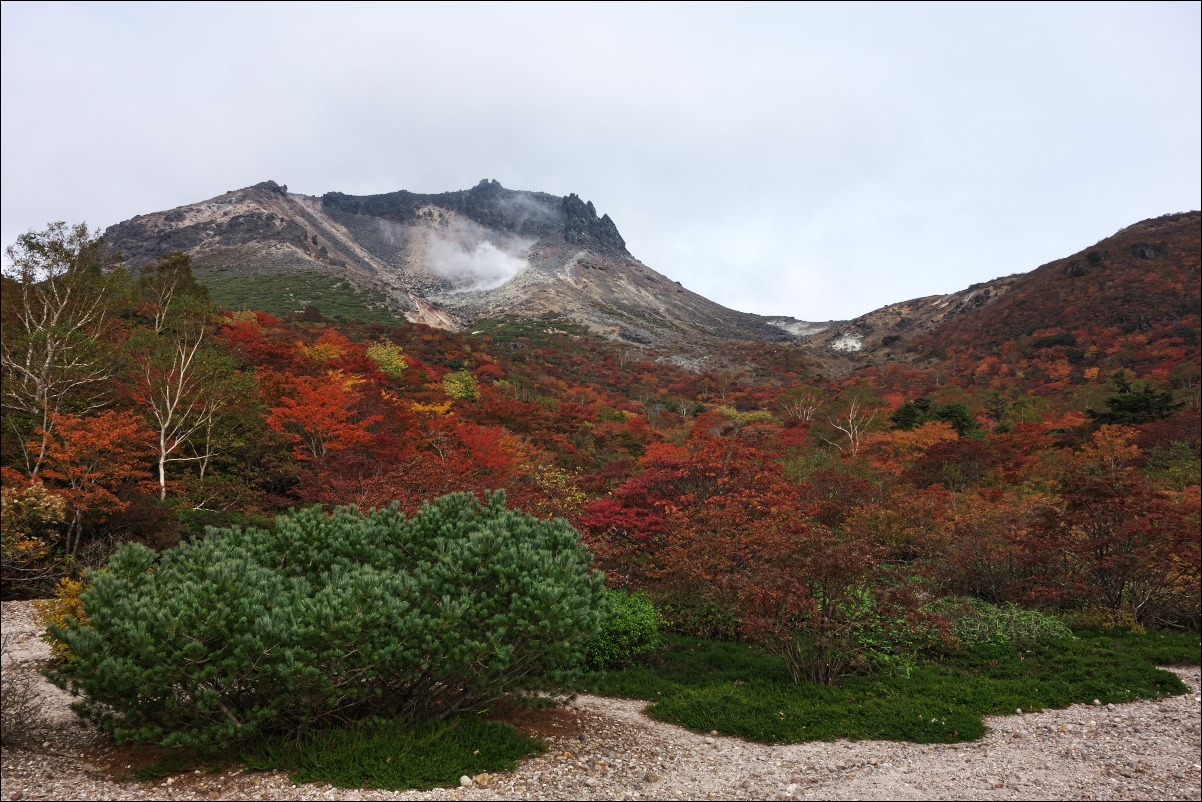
(445, 259)
(582, 227)
(530, 215)
(271, 186)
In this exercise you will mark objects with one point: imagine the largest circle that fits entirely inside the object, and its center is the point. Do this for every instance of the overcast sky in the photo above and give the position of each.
(814, 160)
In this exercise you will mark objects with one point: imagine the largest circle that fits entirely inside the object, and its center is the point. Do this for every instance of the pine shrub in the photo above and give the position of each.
(328, 619)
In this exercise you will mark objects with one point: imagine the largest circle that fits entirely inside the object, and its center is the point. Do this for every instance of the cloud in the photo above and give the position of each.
(875, 152)
(528, 215)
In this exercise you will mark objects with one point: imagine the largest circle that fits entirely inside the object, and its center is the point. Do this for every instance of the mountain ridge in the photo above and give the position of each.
(445, 259)
(450, 259)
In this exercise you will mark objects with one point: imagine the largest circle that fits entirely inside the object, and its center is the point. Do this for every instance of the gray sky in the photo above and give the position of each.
(815, 160)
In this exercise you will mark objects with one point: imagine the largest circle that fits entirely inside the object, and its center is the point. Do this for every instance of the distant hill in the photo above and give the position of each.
(1145, 275)
(1142, 278)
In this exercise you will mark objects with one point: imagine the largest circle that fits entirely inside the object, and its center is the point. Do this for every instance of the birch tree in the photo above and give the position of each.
(181, 381)
(851, 423)
(55, 351)
(801, 403)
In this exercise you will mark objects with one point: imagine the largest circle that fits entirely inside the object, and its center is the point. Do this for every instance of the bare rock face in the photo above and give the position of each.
(444, 259)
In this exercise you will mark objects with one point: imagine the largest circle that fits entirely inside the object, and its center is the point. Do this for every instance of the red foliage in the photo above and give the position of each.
(814, 600)
(258, 344)
(93, 462)
(694, 520)
(319, 416)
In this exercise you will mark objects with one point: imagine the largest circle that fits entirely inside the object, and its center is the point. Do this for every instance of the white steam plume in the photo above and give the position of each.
(470, 259)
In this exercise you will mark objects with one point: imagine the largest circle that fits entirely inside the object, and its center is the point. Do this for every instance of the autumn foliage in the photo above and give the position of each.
(1021, 457)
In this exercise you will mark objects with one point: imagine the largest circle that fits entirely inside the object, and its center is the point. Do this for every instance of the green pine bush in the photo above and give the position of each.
(631, 629)
(328, 619)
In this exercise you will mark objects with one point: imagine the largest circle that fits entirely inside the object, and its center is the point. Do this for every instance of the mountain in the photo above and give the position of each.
(453, 258)
(887, 330)
(1144, 277)
(444, 259)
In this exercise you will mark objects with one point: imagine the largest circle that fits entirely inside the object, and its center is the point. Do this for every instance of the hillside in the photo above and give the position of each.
(1129, 301)
(1142, 277)
(955, 463)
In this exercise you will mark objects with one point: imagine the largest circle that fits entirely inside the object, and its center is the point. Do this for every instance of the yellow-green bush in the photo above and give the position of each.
(29, 526)
(632, 628)
(54, 614)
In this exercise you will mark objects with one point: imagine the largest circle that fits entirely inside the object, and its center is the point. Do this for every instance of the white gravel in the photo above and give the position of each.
(601, 748)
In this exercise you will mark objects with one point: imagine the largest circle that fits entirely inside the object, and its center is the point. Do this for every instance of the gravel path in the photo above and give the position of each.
(601, 748)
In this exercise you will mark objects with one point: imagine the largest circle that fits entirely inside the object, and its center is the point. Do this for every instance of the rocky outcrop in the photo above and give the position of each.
(582, 228)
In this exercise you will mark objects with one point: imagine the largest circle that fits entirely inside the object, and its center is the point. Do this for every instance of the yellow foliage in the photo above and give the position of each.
(1112, 447)
(320, 351)
(1100, 616)
(343, 380)
(563, 496)
(431, 410)
(905, 447)
(55, 612)
(388, 356)
(461, 385)
(29, 519)
(743, 418)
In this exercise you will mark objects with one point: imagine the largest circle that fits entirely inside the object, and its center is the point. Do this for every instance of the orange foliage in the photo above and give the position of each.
(319, 416)
(898, 449)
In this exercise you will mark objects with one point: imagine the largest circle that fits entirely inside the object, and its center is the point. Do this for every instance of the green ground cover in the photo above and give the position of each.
(711, 685)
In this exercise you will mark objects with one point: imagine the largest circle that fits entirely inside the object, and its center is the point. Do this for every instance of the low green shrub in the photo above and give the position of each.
(397, 755)
(631, 629)
(328, 619)
(979, 623)
(738, 690)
